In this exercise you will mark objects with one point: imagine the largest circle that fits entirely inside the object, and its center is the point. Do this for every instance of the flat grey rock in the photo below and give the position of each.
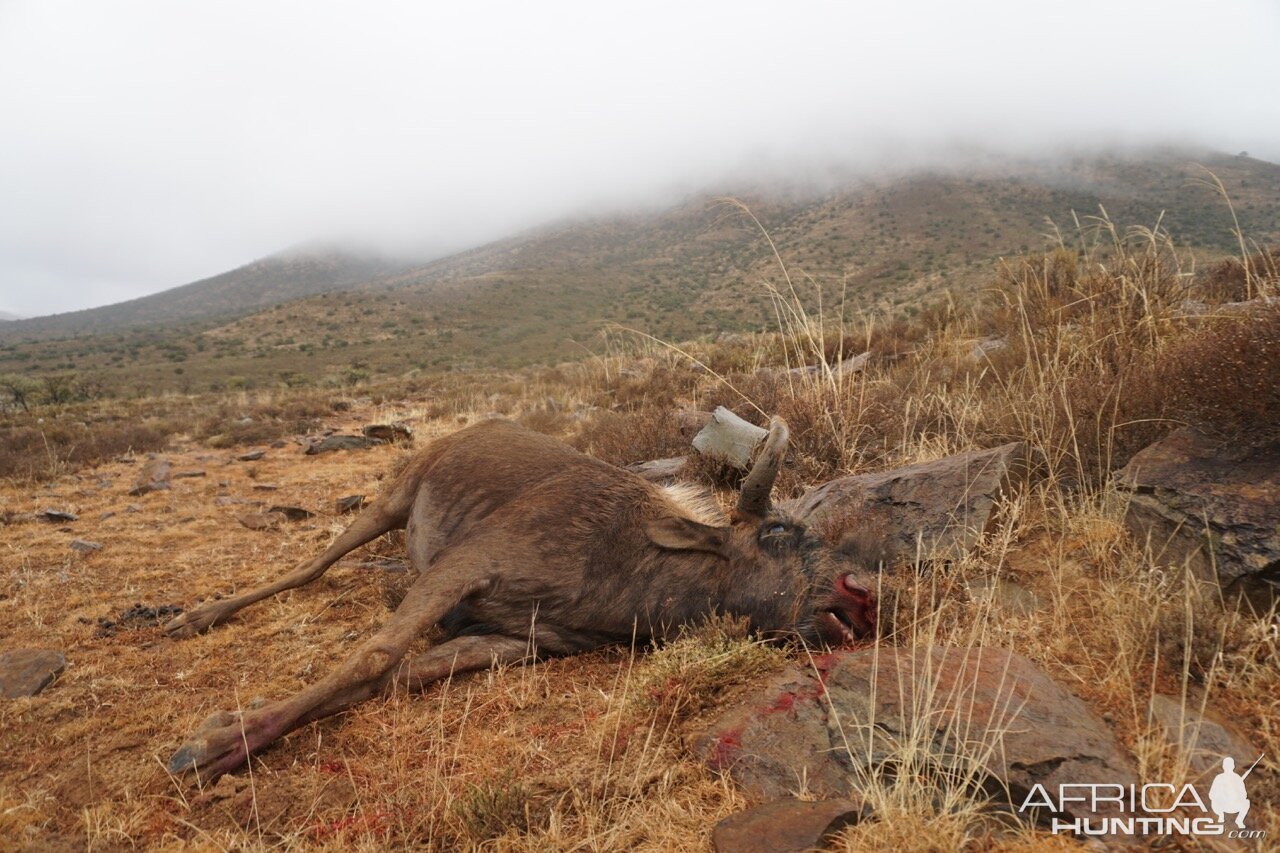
(785, 826)
(154, 477)
(332, 443)
(25, 672)
(350, 503)
(936, 510)
(1212, 506)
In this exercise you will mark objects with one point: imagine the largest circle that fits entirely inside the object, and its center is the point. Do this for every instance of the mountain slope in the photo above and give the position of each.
(700, 267)
(889, 247)
(283, 277)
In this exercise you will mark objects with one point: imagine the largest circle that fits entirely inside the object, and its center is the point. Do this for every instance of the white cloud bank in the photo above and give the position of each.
(147, 144)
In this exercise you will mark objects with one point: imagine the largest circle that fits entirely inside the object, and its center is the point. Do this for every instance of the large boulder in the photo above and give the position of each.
(935, 510)
(1203, 739)
(1211, 505)
(985, 713)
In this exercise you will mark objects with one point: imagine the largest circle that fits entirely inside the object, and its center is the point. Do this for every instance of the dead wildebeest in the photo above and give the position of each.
(525, 546)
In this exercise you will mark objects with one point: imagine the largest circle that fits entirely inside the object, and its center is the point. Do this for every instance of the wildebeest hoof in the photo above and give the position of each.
(193, 621)
(221, 744)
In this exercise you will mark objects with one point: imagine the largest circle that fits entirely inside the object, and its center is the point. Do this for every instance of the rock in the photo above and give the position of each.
(729, 437)
(259, 520)
(1191, 308)
(188, 474)
(266, 487)
(847, 367)
(330, 443)
(292, 513)
(932, 510)
(395, 433)
(1018, 727)
(228, 500)
(785, 826)
(57, 515)
(691, 422)
(1204, 739)
(983, 349)
(25, 672)
(18, 517)
(279, 443)
(103, 516)
(351, 503)
(659, 470)
(154, 477)
(138, 616)
(132, 508)
(84, 546)
(1006, 594)
(251, 456)
(1212, 506)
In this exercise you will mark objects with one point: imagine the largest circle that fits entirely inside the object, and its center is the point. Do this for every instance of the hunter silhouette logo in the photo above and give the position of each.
(1227, 794)
(1152, 808)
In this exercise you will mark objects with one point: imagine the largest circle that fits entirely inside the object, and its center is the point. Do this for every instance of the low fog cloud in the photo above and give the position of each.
(149, 144)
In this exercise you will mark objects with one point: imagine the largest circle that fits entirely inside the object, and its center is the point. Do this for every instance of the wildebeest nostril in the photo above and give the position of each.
(850, 585)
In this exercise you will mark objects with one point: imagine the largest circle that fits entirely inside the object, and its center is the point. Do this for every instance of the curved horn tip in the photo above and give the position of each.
(753, 500)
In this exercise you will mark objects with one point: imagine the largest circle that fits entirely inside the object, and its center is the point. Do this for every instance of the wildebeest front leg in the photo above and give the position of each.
(226, 739)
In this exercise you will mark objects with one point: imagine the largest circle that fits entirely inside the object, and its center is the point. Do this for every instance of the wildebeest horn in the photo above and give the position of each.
(754, 498)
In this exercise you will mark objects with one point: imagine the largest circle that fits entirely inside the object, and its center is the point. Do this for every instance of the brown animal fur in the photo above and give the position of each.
(525, 546)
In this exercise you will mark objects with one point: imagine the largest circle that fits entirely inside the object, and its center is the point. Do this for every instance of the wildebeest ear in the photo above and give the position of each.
(685, 534)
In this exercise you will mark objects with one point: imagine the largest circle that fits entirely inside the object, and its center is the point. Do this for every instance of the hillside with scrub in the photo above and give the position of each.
(884, 247)
(1113, 339)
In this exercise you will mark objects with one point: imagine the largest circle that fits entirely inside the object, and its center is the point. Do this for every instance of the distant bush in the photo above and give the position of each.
(622, 438)
(1230, 281)
(1225, 376)
(43, 451)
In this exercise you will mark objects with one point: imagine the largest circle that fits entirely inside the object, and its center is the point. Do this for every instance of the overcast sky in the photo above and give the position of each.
(147, 144)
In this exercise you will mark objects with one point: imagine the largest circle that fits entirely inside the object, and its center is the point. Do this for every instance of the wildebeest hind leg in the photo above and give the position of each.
(226, 739)
(463, 654)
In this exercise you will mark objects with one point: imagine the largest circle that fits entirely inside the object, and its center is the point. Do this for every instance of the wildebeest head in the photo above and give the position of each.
(781, 575)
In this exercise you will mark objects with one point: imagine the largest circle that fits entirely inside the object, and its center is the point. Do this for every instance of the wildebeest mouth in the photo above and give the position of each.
(851, 616)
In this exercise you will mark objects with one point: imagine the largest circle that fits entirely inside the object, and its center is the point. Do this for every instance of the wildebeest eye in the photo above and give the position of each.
(775, 529)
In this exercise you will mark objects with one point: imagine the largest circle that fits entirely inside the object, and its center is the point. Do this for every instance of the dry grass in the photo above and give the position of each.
(590, 753)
